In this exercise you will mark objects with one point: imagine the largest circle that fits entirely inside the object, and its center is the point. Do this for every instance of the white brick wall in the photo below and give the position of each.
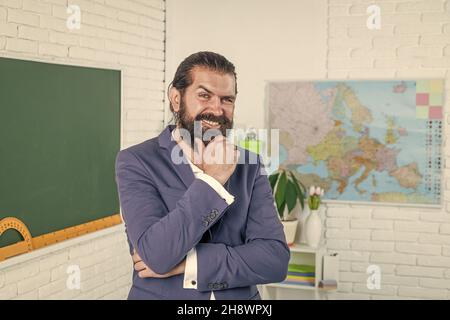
(410, 245)
(103, 259)
(120, 34)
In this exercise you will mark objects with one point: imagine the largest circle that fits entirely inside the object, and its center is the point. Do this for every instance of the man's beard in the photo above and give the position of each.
(195, 128)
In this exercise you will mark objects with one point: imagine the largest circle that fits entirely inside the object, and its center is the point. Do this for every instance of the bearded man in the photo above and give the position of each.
(205, 227)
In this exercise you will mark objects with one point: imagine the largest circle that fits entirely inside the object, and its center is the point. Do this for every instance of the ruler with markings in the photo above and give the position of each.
(29, 243)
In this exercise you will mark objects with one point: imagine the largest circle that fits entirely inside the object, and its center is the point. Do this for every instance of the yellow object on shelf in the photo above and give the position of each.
(251, 145)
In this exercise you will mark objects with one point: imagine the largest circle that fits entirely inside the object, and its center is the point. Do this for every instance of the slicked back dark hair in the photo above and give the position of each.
(210, 60)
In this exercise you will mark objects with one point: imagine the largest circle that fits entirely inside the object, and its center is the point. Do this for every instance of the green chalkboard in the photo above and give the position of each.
(59, 135)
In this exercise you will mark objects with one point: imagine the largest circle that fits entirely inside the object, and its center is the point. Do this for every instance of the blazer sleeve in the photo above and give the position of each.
(262, 259)
(163, 238)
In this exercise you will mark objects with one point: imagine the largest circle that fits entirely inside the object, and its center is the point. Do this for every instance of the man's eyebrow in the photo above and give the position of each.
(202, 87)
(209, 91)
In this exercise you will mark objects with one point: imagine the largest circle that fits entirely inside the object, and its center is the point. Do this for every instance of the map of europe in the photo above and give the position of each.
(369, 141)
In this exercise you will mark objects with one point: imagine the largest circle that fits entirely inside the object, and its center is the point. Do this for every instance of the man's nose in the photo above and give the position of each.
(215, 106)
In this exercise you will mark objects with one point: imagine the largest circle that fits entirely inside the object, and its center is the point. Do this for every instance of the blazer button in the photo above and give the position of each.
(193, 282)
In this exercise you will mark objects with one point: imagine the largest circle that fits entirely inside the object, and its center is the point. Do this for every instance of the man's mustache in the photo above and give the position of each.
(211, 117)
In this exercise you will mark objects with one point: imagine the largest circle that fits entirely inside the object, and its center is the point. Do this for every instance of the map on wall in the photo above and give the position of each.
(370, 141)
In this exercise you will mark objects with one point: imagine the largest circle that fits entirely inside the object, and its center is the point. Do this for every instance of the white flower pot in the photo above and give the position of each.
(313, 229)
(290, 228)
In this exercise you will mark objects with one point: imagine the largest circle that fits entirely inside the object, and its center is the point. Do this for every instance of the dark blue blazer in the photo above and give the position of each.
(167, 212)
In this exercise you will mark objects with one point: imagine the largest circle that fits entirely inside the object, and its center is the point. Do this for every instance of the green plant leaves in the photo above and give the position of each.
(280, 209)
(273, 180)
(314, 202)
(280, 192)
(286, 189)
(291, 195)
(300, 189)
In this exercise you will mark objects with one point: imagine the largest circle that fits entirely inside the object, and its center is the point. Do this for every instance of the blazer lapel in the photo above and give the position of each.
(183, 170)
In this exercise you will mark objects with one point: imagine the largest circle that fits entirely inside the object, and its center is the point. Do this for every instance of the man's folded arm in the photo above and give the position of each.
(190, 274)
(163, 238)
(262, 259)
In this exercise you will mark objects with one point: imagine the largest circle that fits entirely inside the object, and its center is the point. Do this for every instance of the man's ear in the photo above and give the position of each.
(175, 98)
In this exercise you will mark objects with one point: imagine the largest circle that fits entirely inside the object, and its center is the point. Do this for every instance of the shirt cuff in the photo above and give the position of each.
(213, 183)
(190, 271)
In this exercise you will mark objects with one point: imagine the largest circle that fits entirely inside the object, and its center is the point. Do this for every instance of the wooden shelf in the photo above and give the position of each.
(300, 254)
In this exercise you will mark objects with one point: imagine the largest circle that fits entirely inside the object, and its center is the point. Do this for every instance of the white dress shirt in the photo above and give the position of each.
(190, 272)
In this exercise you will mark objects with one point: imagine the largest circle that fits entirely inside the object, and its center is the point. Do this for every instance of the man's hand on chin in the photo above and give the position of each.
(145, 272)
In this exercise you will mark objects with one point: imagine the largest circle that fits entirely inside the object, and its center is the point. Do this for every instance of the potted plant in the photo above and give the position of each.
(288, 192)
